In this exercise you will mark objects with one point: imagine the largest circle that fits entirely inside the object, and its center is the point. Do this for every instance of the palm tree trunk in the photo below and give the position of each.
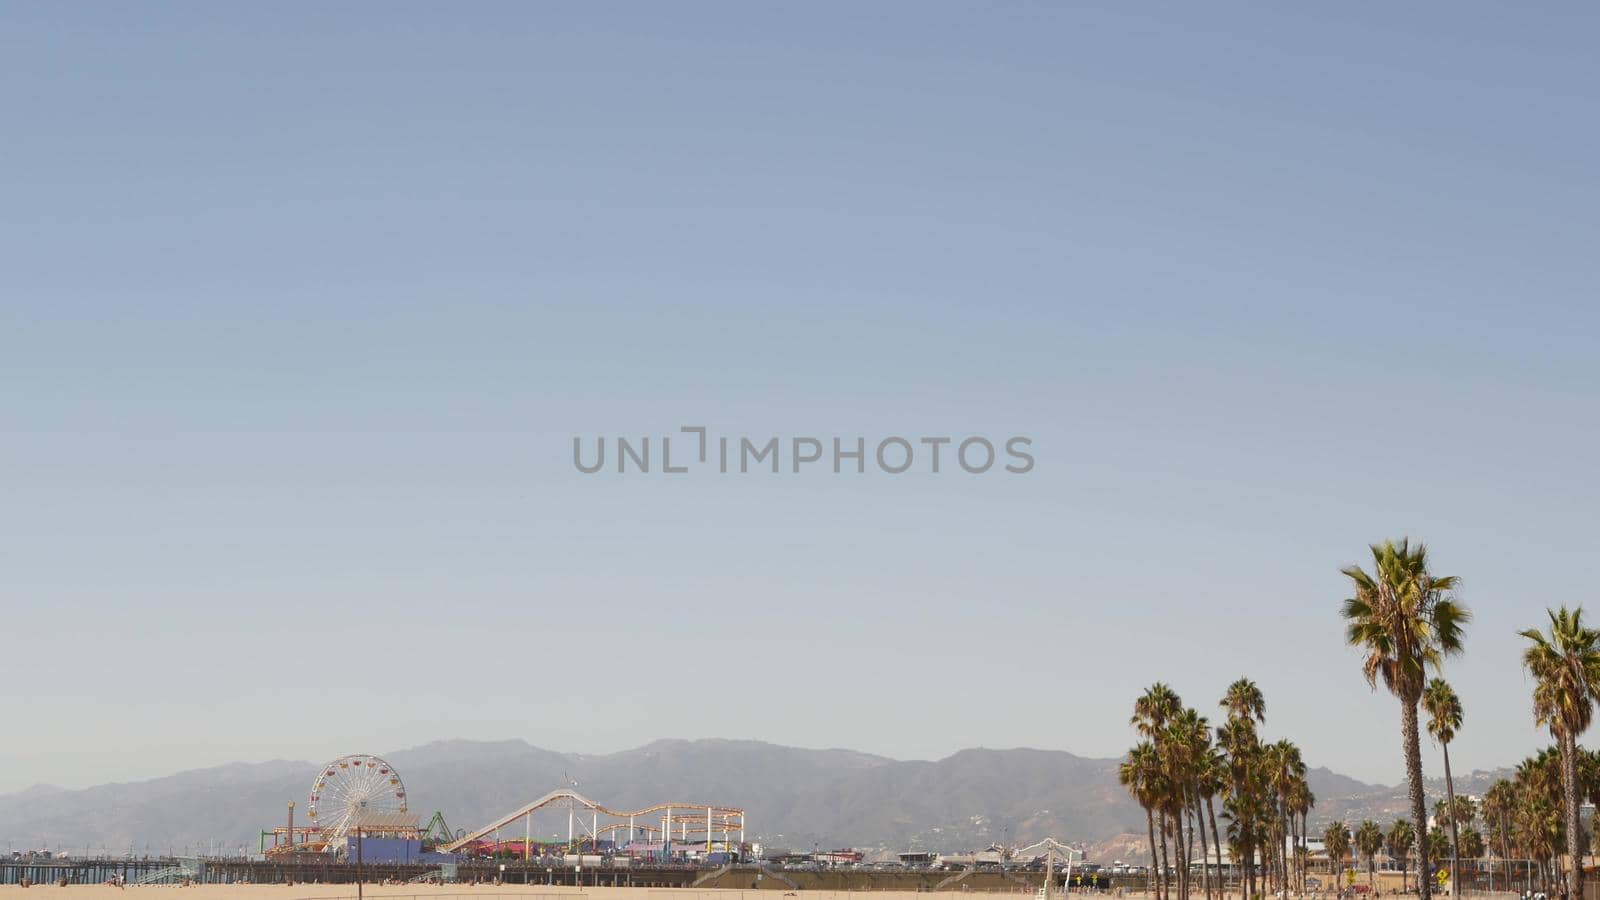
(1163, 869)
(1450, 804)
(1185, 848)
(1283, 849)
(1419, 811)
(1216, 841)
(1294, 853)
(1291, 859)
(1280, 848)
(1305, 838)
(1256, 854)
(1205, 857)
(1247, 878)
(1273, 830)
(1188, 849)
(1155, 868)
(1569, 786)
(1299, 863)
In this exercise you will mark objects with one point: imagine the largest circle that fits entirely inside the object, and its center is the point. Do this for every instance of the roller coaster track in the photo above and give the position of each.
(702, 817)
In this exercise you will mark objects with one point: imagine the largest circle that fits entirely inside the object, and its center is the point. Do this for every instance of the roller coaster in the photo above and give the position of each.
(667, 822)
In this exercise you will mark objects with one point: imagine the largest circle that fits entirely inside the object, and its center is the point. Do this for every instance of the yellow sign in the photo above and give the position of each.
(1443, 877)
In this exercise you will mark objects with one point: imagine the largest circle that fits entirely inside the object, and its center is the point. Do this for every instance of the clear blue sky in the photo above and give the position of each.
(301, 307)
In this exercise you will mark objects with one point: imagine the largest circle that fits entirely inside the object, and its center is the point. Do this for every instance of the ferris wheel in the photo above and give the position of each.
(350, 790)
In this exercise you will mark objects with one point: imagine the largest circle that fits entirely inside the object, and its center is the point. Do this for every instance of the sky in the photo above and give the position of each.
(302, 307)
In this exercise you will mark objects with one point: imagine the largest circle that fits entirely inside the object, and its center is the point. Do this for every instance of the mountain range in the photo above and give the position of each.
(793, 797)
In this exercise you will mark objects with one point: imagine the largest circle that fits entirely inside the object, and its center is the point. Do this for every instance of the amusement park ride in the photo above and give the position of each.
(664, 822)
(363, 796)
(354, 792)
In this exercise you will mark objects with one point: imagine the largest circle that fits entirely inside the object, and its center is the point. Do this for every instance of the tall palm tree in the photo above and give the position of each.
(1537, 821)
(1284, 767)
(1189, 739)
(1539, 830)
(1498, 804)
(1565, 665)
(1405, 620)
(1246, 707)
(1246, 810)
(1443, 707)
(1336, 840)
(1369, 840)
(1152, 712)
(1401, 837)
(1237, 738)
(1301, 800)
(1155, 708)
(1140, 773)
(1213, 778)
(1244, 700)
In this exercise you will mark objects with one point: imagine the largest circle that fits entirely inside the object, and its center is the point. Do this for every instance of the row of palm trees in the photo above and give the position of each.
(1524, 816)
(1407, 621)
(1367, 840)
(1181, 767)
(1522, 819)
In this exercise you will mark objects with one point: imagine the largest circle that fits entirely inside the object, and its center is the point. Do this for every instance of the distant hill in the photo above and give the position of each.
(1385, 804)
(794, 797)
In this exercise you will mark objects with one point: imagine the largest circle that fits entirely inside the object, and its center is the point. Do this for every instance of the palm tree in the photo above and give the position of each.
(1401, 837)
(1438, 843)
(1443, 707)
(1245, 701)
(1536, 824)
(1565, 665)
(1157, 706)
(1405, 620)
(1246, 707)
(1190, 743)
(1152, 712)
(1140, 774)
(1301, 800)
(1246, 810)
(1283, 767)
(1336, 839)
(1213, 777)
(1369, 840)
(1238, 739)
(1498, 804)
(1539, 831)
(1461, 812)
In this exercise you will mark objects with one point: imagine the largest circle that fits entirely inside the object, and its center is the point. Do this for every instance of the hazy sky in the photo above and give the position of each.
(302, 305)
